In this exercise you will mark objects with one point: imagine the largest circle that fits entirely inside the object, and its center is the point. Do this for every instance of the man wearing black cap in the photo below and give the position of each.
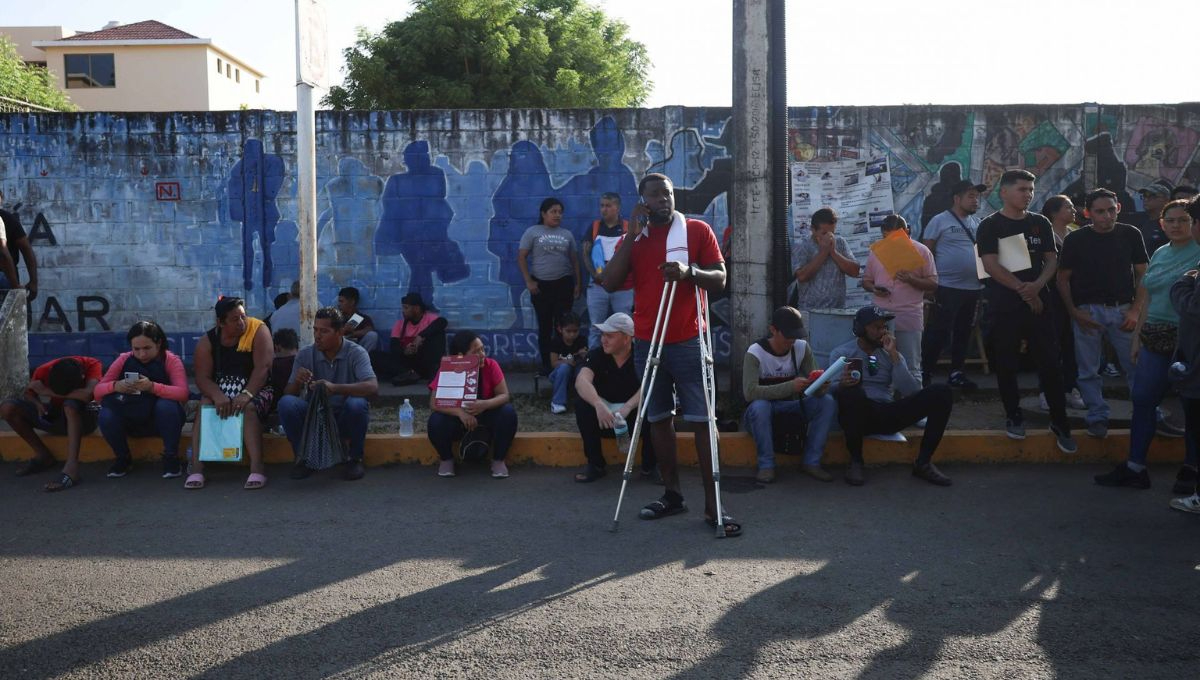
(867, 403)
(774, 376)
(418, 343)
(951, 237)
(1154, 196)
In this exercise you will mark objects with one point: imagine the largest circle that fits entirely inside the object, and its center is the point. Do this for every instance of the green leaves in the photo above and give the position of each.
(495, 54)
(32, 84)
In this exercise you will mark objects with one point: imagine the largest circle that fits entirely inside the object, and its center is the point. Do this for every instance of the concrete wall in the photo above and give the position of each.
(139, 215)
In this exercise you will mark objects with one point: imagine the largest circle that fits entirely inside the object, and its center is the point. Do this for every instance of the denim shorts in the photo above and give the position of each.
(679, 374)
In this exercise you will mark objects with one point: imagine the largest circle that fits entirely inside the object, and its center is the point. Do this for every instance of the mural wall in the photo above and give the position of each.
(155, 215)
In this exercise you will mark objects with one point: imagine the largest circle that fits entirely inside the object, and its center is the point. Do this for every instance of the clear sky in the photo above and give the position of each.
(868, 52)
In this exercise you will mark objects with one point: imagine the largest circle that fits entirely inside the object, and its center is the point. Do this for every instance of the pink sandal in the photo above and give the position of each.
(255, 481)
(194, 481)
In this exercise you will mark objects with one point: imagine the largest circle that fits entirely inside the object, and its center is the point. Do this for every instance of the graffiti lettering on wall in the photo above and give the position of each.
(53, 317)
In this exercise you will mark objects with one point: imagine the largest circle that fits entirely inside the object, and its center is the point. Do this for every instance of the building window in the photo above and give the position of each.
(256, 86)
(218, 65)
(237, 75)
(90, 70)
(228, 70)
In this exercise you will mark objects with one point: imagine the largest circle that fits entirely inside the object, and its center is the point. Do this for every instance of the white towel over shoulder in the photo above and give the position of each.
(677, 245)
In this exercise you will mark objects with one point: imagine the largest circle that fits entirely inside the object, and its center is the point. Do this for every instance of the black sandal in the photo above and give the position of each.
(590, 475)
(663, 507)
(63, 483)
(36, 465)
(732, 528)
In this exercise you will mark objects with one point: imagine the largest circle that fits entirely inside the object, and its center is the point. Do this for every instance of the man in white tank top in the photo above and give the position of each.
(775, 373)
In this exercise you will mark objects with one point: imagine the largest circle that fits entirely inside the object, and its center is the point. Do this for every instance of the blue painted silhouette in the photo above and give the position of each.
(415, 223)
(581, 194)
(346, 226)
(253, 188)
(514, 208)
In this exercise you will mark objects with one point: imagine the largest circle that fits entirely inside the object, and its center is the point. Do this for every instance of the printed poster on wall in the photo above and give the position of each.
(859, 191)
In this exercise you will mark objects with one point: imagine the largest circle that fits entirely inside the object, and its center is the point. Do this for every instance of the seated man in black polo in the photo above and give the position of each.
(867, 405)
(608, 384)
(417, 346)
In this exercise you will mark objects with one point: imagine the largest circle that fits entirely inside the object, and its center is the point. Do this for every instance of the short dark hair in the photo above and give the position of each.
(1183, 191)
(1194, 207)
(1053, 205)
(653, 177)
(280, 300)
(893, 221)
(287, 338)
(546, 205)
(294, 291)
(611, 196)
(148, 329)
(225, 305)
(350, 293)
(567, 319)
(1097, 194)
(1011, 177)
(66, 375)
(333, 315)
(1177, 203)
(823, 216)
(462, 341)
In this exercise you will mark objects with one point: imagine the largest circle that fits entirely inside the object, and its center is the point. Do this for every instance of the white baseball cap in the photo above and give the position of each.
(617, 323)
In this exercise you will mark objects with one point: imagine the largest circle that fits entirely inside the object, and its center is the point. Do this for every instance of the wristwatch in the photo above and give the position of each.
(691, 270)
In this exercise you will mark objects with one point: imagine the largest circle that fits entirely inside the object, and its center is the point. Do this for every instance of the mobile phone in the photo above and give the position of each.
(354, 320)
(133, 377)
(853, 365)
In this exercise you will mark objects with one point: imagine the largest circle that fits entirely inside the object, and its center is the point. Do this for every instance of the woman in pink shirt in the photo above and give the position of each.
(903, 294)
(141, 395)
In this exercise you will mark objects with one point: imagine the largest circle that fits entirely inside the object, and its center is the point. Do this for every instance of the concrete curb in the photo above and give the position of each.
(565, 449)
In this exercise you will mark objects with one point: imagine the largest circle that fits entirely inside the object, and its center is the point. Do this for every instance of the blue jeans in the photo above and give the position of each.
(679, 374)
(501, 422)
(1089, 355)
(601, 304)
(561, 379)
(1150, 383)
(820, 412)
(352, 417)
(166, 422)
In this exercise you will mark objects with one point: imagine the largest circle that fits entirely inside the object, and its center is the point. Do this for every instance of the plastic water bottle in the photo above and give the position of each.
(621, 429)
(406, 419)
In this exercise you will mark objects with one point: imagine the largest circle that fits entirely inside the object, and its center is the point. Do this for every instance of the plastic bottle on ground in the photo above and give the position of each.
(407, 415)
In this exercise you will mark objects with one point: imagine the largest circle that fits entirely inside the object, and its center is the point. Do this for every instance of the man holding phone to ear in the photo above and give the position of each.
(867, 403)
(658, 238)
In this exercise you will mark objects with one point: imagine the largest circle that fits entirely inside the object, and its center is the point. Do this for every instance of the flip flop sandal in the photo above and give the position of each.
(63, 483)
(255, 481)
(591, 475)
(662, 508)
(34, 466)
(194, 481)
(732, 528)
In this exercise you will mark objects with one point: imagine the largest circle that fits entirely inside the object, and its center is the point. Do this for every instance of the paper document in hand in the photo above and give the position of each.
(897, 253)
(1013, 255)
(457, 381)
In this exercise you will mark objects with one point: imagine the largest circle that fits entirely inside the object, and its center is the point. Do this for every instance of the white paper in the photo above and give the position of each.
(1013, 256)
(452, 379)
(449, 392)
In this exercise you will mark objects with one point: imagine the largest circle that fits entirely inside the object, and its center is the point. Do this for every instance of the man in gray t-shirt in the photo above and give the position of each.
(821, 264)
(951, 237)
(550, 252)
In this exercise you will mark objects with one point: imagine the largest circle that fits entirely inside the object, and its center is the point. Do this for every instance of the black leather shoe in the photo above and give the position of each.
(354, 470)
(931, 474)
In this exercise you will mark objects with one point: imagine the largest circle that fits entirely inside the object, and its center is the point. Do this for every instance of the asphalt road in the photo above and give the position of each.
(1018, 571)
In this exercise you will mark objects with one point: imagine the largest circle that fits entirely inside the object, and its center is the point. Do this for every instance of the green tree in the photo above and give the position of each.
(450, 54)
(32, 84)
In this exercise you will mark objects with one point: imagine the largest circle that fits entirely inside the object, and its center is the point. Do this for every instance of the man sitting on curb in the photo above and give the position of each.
(68, 383)
(417, 345)
(775, 374)
(608, 385)
(344, 369)
(866, 404)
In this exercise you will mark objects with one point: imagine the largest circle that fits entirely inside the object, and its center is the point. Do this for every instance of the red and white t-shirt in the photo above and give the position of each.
(648, 253)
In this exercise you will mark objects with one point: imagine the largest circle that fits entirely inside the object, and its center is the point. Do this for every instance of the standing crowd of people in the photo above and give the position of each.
(1065, 284)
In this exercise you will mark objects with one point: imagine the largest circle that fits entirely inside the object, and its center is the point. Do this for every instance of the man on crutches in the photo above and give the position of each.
(672, 252)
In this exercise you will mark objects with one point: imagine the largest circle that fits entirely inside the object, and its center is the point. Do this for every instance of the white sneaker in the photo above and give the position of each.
(894, 437)
(1187, 504)
(557, 409)
(1042, 402)
(1075, 400)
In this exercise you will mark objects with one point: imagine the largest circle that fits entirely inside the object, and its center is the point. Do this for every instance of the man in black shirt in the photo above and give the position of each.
(14, 242)
(1154, 196)
(607, 385)
(1017, 250)
(1100, 268)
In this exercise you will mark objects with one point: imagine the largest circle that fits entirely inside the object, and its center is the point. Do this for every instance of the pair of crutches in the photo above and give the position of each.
(707, 369)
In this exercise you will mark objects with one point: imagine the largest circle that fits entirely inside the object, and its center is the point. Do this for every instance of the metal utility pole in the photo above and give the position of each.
(759, 194)
(310, 73)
